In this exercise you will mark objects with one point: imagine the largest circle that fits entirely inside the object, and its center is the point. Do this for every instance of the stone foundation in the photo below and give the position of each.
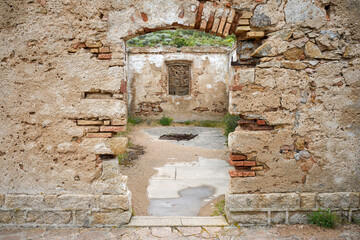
(289, 208)
(66, 210)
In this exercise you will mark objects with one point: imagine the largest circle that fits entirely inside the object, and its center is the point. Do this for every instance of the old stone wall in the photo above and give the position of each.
(63, 99)
(297, 144)
(149, 90)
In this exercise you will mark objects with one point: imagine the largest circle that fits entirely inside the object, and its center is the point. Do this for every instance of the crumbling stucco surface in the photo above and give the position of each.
(63, 72)
(148, 80)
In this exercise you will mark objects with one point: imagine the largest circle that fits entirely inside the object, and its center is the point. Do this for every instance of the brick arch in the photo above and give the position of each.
(208, 17)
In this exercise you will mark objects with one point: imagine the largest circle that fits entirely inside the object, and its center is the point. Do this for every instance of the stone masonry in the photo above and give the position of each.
(63, 98)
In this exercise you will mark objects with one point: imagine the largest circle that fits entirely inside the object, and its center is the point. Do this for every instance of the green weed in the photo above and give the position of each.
(134, 120)
(323, 218)
(165, 121)
(219, 208)
(230, 122)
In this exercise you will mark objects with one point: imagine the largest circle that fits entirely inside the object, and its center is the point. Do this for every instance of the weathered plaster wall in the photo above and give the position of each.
(62, 98)
(149, 87)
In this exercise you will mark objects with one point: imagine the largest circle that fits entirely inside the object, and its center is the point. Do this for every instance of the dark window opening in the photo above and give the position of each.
(179, 79)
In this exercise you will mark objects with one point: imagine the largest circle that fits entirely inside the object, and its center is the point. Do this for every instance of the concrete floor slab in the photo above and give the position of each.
(201, 173)
(159, 188)
(212, 162)
(165, 173)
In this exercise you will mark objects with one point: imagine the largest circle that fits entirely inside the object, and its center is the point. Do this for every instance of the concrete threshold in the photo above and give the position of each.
(175, 221)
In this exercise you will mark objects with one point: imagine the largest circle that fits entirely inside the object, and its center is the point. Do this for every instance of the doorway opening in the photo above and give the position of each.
(182, 75)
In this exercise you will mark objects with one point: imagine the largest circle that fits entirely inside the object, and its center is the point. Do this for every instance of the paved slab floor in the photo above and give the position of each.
(295, 232)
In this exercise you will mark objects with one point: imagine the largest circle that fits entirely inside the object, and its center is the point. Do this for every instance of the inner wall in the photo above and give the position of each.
(148, 83)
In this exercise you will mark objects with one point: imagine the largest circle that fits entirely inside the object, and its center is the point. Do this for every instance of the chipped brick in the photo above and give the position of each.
(112, 128)
(210, 22)
(236, 173)
(104, 56)
(221, 26)
(238, 157)
(198, 15)
(236, 87)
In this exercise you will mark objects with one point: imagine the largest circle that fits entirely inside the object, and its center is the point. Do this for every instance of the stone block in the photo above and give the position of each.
(270, 201)
(338, 200)
(89, 122)
(246, 15)
(278, 217)
(75, 202)
(307, 201)
(117, 185)
(242, 29)
(5, 216)
(254, 35)
(18, 217)
(24, 201)
(246, 75)
(244, 22)
(355, 217)
(48, 217)
(110, 170)
(50, 201)
(117, 145)
(248, 217)
(298, 217)
(2, 199)
(82, 218)
(247, 141)
(115, 202)
(112, 218)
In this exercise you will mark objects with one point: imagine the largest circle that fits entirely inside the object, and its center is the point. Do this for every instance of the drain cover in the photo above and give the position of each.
(178, 136)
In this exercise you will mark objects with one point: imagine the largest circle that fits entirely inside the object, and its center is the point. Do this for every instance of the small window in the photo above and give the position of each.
(179, 79)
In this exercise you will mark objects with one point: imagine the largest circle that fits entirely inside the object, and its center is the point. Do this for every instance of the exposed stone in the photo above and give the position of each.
(24, 201)
(75, 202)
(271, 48)
(293, 65)
(325, 43)
(304, 154)
(300, 42)
(304, 13)
(298, 217)
(284, 34)
(257, 202)
(2, 199)
(338, 200)
(248, 217)
(312, 51)
(117, 145)
(111, 218)
(269, 16)
(308, 201)
(161, 232)
(41, 217)
(246, 75)
(110, 169)
(5, 216)
(293, 54)
(115, 202)
(298, 34)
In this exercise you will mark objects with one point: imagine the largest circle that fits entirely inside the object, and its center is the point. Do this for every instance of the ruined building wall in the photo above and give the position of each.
(63, 98)
(297, 145)
(148, 80)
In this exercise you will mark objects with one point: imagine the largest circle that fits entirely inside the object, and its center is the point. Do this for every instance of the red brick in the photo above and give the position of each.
(260, 128)
(236, 163)
(242, 163)
(236, 87)
(104, 50)
(245, 121)
(210, 22)
(112, 128)
(144, 17)
(236, 173)
(260, 122)
(99, 135)
(238, 157)
(198, 15)
(221, 26)
(123, 87)
(104, 56)
(234, 23)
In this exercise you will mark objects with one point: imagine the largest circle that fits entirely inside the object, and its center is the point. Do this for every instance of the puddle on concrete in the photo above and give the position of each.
(188, 204)
(178, 136)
